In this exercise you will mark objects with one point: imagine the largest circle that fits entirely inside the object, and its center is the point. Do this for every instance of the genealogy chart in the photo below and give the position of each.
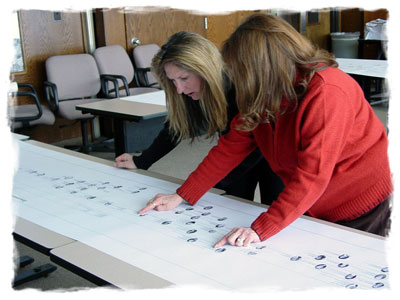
(98, 204)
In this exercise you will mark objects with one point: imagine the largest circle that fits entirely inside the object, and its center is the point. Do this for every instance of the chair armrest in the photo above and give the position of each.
(105, 79)
(114, 79)
(143, 69)
(27, 85)
(50, 91)
(143, 72)
(32, 93)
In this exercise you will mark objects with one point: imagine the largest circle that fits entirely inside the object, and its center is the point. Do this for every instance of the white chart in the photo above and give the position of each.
(149, 98)
(365, 67)
(97, 205)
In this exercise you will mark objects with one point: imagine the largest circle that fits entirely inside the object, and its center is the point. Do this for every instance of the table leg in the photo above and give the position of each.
(119, 136)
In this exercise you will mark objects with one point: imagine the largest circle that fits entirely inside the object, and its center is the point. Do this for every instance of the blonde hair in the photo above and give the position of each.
(200, 56)
(263, 58)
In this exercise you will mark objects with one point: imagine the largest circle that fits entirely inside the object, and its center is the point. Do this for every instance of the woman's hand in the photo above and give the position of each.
(162, 202)
(125, 161)
(241, 236)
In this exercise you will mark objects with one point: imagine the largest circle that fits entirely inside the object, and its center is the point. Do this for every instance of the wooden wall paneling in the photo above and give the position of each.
(110, 27)
(351, 20)
(221, 26)
(319, 33)
(376, 14)
(43, 37)
(156, 26)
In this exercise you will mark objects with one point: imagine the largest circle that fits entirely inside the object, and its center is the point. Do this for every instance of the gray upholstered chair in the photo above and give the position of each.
(72, 80)
(142, 57)
(114, 63)
(28, 115)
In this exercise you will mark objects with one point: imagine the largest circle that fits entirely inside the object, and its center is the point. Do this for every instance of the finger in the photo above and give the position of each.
(151, 205)
(127, 165)
(225, 239)
(124, 161)
(247, 241)
(120, 160)
(161, 207)
(122, 157)
(252, 237)
(145, 209)
(236, 238)
(220, 243)
(239, 241)
(120, 164)
(245, 238)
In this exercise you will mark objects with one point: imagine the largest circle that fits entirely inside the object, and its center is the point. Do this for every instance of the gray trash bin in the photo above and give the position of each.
(345, 44)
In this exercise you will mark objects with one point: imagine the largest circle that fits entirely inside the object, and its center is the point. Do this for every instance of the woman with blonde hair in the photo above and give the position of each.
(191, 71)
(313, 125)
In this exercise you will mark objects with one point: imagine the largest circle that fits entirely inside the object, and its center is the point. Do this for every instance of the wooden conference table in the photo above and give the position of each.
(136, 108)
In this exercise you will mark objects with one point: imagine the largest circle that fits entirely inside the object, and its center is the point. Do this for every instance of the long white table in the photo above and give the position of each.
(364, 67)
(96, 206)
(366, 71)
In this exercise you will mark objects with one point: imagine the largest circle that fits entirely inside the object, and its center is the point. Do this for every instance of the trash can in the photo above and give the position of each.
(345, 44)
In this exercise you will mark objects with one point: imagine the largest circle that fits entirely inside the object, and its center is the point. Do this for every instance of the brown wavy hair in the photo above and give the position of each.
(264, 57)
(200, 56)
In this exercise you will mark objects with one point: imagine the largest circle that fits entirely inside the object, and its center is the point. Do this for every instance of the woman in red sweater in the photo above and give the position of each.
(313, 125)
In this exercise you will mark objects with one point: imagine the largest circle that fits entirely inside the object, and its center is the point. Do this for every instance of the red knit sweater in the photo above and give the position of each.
(331, 154)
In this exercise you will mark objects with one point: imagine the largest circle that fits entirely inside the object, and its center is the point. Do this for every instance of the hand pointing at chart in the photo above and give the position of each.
(162, 202)
(242, 236)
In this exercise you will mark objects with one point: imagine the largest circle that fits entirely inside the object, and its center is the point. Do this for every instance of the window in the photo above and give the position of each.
(18, 60)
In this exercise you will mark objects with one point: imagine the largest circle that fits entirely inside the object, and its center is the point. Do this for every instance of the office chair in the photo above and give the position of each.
(28, 115)
(114, 64)
(72, 80)
(142, 56)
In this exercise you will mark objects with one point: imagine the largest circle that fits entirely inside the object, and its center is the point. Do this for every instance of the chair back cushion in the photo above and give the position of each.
(114, 60)
(143, 55)
(76, 75)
